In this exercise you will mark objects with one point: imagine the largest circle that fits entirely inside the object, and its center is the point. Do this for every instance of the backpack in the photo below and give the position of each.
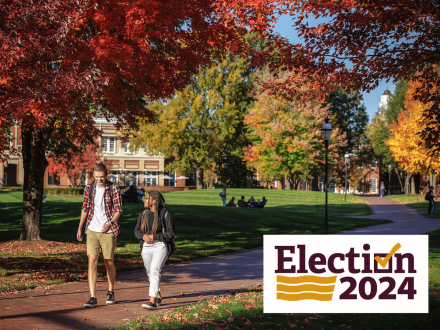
(427, 196)
(171, 246)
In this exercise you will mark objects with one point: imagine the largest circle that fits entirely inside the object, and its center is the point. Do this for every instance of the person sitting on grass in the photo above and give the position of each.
(251, 201)
(241, 202)
(231, 202)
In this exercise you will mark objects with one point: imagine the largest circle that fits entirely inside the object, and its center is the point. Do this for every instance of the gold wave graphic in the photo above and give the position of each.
(305, 279)
(306, 287)
(297, 292)
(304, 296)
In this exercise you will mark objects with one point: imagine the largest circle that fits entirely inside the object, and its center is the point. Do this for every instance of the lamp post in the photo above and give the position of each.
(347, 159)
(326, 134)
(389, 180)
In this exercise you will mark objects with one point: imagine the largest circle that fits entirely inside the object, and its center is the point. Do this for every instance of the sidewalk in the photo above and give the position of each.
(61, 306)
(406, 220)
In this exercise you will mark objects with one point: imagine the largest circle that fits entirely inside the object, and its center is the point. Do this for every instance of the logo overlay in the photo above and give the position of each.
(345, 274)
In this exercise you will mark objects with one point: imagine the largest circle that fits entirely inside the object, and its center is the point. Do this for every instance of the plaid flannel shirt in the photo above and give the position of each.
(112, 204)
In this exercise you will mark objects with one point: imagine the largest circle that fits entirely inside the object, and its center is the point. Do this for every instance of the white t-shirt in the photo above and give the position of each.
(99, 217)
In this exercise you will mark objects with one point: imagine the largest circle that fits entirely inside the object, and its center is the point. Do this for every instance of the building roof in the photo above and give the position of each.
(387, 92)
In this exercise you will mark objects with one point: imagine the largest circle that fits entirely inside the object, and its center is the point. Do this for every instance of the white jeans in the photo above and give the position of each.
(154, 256)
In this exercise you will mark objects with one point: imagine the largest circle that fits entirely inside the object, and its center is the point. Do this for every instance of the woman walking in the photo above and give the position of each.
(155, 230)
(382, 189)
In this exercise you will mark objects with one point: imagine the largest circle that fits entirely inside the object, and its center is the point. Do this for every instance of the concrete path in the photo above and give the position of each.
(406, 220)
(60, 307)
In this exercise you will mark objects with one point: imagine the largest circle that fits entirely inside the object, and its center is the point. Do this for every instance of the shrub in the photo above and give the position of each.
(15, 188)
(76, 191)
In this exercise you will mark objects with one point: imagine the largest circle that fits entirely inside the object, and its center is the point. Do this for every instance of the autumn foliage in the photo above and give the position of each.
(74, 164)
(63, 62)
(358, 43)
(287, 138)
(405, 143)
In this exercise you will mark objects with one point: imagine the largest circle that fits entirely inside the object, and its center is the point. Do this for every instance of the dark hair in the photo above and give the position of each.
(431, 188)
(160, 204)
(242, 197)
(100, 167)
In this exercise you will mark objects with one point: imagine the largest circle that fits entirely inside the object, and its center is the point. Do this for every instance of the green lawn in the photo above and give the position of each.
(203, 228)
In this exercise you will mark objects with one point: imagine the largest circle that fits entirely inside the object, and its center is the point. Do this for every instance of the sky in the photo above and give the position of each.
(371, 99)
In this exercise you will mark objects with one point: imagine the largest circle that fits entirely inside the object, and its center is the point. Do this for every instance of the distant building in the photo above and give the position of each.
(384, 99)
(125, 166)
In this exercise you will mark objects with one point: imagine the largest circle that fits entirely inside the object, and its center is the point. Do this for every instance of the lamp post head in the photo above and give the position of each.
(347, 158)
(326, 130)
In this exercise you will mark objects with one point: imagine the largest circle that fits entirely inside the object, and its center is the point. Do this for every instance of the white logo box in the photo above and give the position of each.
(369, 291)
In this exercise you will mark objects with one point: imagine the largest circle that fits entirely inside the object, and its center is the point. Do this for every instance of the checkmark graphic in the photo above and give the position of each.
(383, 262)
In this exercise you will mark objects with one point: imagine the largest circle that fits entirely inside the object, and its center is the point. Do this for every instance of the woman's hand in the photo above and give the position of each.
(148, 238)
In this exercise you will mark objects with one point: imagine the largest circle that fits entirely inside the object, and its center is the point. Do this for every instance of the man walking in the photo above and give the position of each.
(102, 208)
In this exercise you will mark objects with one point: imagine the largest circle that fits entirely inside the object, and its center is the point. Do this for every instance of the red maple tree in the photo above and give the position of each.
(74, 164)
(63, 61)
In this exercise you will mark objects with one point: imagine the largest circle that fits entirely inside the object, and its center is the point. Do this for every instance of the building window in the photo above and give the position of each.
(108, 145)
(321, 184)
(131, 178)
(332, 185)
(126, 146)
(50, 179)
(172, 182)
(151, 181)
(373, 189)
(276, 183)
(374, 164)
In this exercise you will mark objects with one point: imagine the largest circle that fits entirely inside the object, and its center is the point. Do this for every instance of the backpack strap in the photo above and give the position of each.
(92, 190)
(163, 222)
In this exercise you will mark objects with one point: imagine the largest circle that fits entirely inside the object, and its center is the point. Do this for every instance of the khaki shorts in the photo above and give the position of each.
(100, 241)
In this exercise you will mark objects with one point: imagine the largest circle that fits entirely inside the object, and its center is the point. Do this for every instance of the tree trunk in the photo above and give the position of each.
(249, 181)
(199, 178)
(34, 166)
(289, 183)
(407, 184)
(402, 187)
(413, 184)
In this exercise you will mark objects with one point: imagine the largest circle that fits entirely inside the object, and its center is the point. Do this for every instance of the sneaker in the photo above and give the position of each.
(149, 305)
(93, 302)
(158, 301)
(110, 298)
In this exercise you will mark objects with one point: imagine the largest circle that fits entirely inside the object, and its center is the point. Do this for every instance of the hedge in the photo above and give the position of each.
(76, 191)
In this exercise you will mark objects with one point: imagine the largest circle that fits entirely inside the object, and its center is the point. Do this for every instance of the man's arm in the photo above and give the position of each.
(82, 221)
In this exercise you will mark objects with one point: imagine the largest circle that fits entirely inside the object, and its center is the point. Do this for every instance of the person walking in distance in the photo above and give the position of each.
(430, 198)
(155, 231)
(100, 212)
(382, 189)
